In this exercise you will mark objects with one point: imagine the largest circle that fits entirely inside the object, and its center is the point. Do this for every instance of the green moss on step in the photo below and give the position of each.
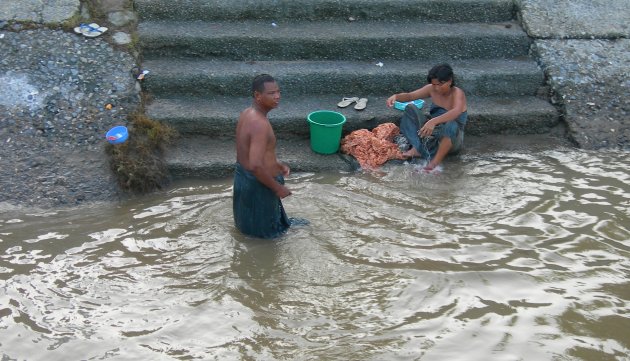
(138, 163)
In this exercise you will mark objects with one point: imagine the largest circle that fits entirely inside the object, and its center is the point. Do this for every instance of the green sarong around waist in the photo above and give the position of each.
(258, 212)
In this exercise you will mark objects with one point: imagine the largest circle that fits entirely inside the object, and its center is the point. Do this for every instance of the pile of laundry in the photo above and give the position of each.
(373, 148)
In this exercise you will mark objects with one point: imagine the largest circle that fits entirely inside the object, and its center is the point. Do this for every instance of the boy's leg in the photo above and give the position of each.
(449, 141)
(445, 146)
(410, 124)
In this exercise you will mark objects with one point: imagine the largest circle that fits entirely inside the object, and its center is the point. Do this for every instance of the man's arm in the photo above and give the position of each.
(257, 150)
(284, 168)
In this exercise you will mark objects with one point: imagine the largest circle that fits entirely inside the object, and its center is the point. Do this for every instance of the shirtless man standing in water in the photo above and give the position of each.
(259, 176)
(448, 117)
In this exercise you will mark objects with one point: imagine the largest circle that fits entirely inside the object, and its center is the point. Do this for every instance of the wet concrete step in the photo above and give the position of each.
(213, 158)
(280, 10)
(208, 77)
(217, 116)
(330, 40)
(207, 157)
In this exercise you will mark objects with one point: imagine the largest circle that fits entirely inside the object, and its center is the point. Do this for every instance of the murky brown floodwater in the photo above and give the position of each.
(504, 256)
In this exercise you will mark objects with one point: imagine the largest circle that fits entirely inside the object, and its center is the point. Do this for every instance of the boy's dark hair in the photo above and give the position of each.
(441, 72)
(258, 85)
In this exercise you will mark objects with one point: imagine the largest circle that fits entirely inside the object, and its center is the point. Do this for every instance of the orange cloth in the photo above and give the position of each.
(372, 148)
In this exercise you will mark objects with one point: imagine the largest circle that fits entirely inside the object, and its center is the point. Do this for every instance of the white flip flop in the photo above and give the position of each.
(90, 30)
(346, 101)
(361, 104)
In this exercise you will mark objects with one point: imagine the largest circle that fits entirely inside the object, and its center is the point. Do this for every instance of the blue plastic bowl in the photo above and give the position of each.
(401, 106)
(117, 135)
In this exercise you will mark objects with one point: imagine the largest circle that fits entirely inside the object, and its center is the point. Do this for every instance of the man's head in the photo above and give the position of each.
(266, 91)
(441, 76)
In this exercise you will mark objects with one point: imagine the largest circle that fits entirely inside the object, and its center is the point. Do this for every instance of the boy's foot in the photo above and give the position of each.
(411, 153)
(431, 168)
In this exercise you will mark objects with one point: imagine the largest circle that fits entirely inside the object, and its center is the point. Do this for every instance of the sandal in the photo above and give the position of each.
(346, 101)
(361, 104)
(90, 30)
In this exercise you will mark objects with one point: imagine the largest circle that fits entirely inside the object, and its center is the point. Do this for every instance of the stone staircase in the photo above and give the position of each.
(202, 56)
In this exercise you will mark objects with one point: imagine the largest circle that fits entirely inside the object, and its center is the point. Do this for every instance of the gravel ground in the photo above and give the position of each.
(53, 116)
(575, 19)
(591, 79)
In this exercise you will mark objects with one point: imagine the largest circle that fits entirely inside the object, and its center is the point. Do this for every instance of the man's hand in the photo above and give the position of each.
(285, 169)
(283, 192)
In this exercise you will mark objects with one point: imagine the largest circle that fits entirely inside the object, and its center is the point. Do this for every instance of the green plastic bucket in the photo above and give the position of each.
(326, 128)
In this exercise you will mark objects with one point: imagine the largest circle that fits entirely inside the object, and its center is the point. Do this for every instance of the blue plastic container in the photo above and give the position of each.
(401, 106)
(117, 135)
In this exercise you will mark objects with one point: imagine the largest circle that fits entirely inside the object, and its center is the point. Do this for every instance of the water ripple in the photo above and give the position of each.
(501, 256)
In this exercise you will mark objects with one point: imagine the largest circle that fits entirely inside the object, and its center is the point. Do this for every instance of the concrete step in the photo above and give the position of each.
(217, 116)
(211, 77)
(212, 158)
(330, 40)
(281, 10)
(207, 157)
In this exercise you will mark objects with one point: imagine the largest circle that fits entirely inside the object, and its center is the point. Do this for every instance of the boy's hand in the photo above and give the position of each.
(390, 101)
(427, 129)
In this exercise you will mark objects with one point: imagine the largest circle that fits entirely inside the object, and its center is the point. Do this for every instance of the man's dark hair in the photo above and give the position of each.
(258, 85)
(441, 72)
